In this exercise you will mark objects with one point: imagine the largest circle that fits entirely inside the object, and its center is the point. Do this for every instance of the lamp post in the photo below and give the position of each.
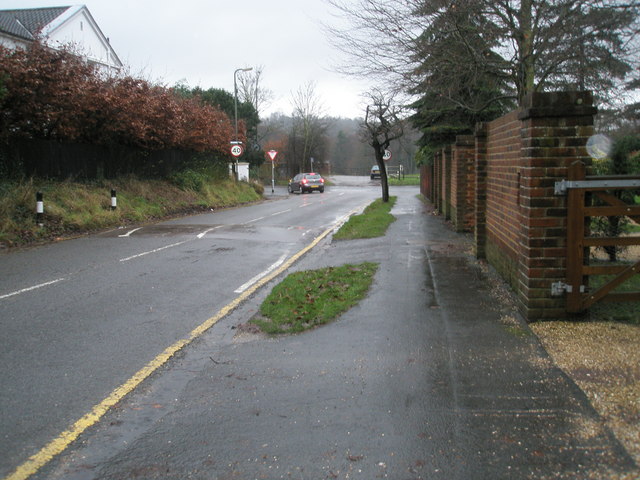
(235, 103)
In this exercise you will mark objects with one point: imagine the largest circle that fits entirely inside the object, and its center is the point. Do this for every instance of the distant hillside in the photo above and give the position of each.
(343, 150)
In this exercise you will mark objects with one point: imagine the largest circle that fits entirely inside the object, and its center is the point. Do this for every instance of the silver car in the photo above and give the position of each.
(306, 182)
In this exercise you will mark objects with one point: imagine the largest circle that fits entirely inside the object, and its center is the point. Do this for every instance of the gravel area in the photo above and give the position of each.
(603, 359)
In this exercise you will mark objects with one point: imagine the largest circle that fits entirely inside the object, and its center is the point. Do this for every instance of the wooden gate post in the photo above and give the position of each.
(576, 229)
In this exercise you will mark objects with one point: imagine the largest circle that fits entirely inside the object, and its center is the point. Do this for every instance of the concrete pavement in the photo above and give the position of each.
(432, 376)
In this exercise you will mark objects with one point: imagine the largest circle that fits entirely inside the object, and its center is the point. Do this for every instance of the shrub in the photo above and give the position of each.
(189, 180)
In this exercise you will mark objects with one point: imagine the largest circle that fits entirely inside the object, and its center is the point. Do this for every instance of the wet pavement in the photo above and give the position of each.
(433, 375)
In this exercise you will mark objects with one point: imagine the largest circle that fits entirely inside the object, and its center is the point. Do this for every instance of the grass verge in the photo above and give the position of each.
(413, 179)
(373, 222)
(71, 208)
(307, 299)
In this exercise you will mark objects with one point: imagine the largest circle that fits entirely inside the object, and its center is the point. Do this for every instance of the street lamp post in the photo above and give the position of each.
(235, 103)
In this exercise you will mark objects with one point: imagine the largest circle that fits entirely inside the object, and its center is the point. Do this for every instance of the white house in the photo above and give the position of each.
(59, 26)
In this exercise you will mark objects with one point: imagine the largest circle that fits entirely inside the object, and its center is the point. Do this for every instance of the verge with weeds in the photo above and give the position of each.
(71, 208)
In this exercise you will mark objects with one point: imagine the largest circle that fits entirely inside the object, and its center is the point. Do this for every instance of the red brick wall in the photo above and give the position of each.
(463, 183)
(437, 181)
(445, 182)
(526, 223)
(426, 181)
(502, 211)
(519, 224)
(555, 130)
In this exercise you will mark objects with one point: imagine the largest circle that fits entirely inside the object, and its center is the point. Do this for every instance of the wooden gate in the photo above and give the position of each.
(589, 197)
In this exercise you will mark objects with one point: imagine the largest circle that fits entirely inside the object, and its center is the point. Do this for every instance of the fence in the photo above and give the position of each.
(52, 159)
(499, 184)
(609, 198)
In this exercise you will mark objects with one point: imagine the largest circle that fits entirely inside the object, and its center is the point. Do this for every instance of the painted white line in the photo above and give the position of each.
(151, 251)
(201, 235)
(270, 215)
(130, 232)
(280, 213)
(254, 220)
(260, 275)
(24, 290)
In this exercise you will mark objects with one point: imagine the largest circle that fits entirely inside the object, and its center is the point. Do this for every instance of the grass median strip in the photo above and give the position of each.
(373, 222)
(307, 299)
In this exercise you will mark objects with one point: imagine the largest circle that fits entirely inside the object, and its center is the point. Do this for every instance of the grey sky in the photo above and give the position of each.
(202, 42)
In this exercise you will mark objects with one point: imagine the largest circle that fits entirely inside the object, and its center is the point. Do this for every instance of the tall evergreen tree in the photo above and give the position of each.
(453, 99)
(533, 45)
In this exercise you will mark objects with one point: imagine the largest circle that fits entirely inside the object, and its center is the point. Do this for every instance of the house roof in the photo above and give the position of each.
(27, 23)
(30, 23)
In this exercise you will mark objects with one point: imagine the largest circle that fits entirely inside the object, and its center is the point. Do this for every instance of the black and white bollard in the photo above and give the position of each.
(114, 200)
(39, 208)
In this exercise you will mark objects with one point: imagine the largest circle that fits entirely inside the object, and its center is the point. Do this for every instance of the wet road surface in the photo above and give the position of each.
(79, 318)
(431, 376)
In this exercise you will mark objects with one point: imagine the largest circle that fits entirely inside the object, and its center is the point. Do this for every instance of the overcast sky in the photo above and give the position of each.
(202, 42)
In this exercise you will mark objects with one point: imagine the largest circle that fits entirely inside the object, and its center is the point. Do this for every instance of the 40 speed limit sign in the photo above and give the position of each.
(236, 150)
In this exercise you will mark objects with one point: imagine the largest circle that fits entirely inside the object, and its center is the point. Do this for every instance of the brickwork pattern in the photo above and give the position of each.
(555, 130)
(502, 212)
(519, 224)
(462, 183)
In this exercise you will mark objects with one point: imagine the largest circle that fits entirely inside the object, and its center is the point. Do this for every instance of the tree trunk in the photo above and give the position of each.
(384, 181)
(526, 80)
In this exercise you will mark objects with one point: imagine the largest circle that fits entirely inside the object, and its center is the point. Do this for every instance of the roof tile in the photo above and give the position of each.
(26, 23)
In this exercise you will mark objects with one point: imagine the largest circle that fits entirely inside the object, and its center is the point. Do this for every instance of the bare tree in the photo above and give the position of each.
(309, 125)
(382, 125)
(250, 89)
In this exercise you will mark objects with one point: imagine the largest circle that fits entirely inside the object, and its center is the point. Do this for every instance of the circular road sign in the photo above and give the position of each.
(387, 155)
(236, 150)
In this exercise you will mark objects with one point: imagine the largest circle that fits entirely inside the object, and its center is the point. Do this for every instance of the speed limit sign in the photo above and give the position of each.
(236, 150)
(387, 155)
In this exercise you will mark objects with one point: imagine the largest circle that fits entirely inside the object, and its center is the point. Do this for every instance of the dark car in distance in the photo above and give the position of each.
(306, 182)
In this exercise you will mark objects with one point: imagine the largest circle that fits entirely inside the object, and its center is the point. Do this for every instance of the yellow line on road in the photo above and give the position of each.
(59, 444)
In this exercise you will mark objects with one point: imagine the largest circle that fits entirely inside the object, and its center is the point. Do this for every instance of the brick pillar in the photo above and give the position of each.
(446, 182)
(461, 171)
(480, 228)
(425, 181)
(432, 182)
(437, 180)
(555, 129)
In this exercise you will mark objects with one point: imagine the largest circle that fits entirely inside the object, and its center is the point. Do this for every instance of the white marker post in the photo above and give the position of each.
(272, 155)
(39, 208)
